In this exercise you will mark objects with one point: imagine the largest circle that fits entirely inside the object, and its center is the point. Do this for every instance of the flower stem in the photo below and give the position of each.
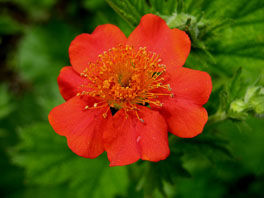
(217, 117)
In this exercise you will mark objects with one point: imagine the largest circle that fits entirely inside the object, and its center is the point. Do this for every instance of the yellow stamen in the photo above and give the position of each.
(124, 77)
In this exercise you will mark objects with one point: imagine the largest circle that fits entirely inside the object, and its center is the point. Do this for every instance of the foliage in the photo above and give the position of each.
(226, 160)
(63, 168)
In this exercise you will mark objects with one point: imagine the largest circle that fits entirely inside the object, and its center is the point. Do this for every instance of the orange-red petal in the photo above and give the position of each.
(128, 139)
(188, 84)
(184, 112)
(184, 119)
(70, 82)
(85, 48)
(173, 45)
(83, 128)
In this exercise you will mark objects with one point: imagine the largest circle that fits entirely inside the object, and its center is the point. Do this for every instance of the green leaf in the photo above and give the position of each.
(238, 106)
(93, 4)
(44, 46)
(49, 163)
(253, 101)
(5, 104)
(246, 143)
(133, 10)
(235, 87)
(155, 176)
(9, 26)
(239, 98)
(42, 52)
(130, 10)
(37, 10)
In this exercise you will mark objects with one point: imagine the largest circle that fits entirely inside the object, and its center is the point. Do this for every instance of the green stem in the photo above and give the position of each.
(217, 117)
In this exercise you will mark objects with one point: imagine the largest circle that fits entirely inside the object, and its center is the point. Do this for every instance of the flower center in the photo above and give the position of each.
(123, 77)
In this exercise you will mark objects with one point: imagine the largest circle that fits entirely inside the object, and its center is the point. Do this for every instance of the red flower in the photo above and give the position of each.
(142, 78)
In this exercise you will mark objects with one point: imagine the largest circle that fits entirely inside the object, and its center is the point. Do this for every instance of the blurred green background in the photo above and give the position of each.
(226, 160)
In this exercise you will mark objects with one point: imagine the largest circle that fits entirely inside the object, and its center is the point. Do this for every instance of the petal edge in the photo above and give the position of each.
(85, 47)
(82, 128)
